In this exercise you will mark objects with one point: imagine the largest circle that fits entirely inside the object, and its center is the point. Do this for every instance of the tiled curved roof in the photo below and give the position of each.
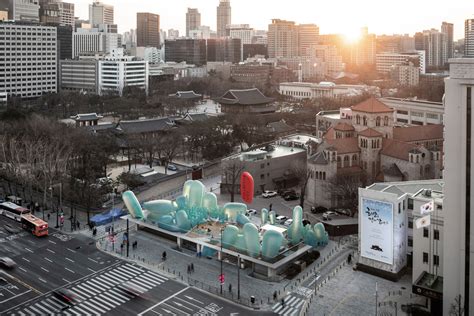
(244, 97)
(344, 127)
(371, 105)
(370, 132)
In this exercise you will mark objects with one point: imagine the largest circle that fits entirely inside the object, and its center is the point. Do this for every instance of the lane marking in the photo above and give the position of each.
(22, 269)
(14, 297)
(47, 259)
(42, 280)
(28, 249)
(73, 251)
(69, 270)
(44, 269)
(66, 280)
(69, 259)
(50, 250)
(163, 301)
(90, 269)
(25, 259)
(52, 242)
(92, 260)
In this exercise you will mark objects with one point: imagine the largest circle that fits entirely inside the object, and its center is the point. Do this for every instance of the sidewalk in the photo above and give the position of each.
(206, 271)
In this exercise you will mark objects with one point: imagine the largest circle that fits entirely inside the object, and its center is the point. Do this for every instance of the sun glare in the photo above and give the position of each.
(352, 35)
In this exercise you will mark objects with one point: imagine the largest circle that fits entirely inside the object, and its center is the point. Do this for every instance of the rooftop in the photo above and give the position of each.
(372, 105)
(186, 95)
(344, 145)
(369, 132)
(145, 126)
(270, 152)
(244, 97)
(344, 127)
(418, 133)
(410, 187)
(397, 149)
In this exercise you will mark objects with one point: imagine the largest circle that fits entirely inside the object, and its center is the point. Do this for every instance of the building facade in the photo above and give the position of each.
(282, 39)
(93, 41)
(192, 51)
(148, 29)
(307, 37)
(459, 189)
(193, 20)
(101, 13)
(309, 90)
(415, 112)
(115, 75)
(386, 61)
(79, 75)
(224, 17)
(469, 38)
(30, 60)
(22, 10)
(224, 49)
(57, 12)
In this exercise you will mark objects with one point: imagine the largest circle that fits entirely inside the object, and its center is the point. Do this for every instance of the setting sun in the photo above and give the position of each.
(352, 35)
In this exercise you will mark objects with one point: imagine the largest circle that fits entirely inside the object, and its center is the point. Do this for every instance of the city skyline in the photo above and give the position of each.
(260, 14)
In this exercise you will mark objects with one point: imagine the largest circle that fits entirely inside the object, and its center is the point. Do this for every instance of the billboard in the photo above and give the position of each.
(377, 230)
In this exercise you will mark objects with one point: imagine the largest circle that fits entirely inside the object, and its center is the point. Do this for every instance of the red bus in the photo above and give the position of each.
(35, 225)
(13, 211)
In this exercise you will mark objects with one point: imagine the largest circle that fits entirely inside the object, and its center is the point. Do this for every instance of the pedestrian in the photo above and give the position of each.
(349, 258)
(136, 244)
(283, 302)
(49, 215)
(189, 269)
(230, 288)
(163, 256)
(275, 295)
(270, 208)
(192, 267)
(78, 225)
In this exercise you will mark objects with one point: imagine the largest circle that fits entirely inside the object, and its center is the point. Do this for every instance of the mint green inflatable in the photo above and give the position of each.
(229, 236)
(295, 231)
(160, 207)
(232, 209)
(271, 244)
(272, 217)
(132, 204)
(252, 239)
(264, 216)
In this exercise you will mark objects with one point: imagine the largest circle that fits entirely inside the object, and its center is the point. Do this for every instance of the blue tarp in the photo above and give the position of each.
(107, 217)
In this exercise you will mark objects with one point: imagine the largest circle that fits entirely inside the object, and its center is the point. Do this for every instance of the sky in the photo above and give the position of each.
(333, 16)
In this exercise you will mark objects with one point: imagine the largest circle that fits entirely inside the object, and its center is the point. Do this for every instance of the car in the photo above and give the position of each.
(280, 219)
(66, 296)
(251, 212)
(132, 290)
(288, 222)
(172, 167)
(286, 192)
(326, 217)
(306, 222)
(7, 262)
(291, 197)
(269, 194)
(343, 211)
(11, 229)
(318, 209)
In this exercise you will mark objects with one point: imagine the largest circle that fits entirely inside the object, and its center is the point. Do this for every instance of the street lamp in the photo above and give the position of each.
(60, 200)
(222, 231)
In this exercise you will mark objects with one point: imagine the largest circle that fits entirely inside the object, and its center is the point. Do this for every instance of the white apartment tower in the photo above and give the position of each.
(459, 188)
(193, 20)
(307, 37)
(282, 39)
(30, 61)
(101, 13)
(469, 38)
(224, 17)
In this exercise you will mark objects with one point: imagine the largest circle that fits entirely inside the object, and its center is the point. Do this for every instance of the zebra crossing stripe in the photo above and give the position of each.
(83, 291)
(71, 310)
(141, 280)
(56, 304)
(118, 296)
(106, 279)
(284, 310)
(21, 314)
(89, 289)
(109, 300)
(119, 276)
(135, 270)
(41, 307)
(278, 309)
(138, 286)
(114, 298)
(102, 285)
(107, 303)
(82, 306)
(28, 311)
(127, 273)
(134, 267)
(294, 313)
(116, 279)
(94, 286)
(76, 292)
(290, 300)
(156, 275)
(297, 306)
(156, 278)
(94, 304)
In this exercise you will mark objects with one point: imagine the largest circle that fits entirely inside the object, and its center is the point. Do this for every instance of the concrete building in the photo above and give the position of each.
(173, 34)
(364, 50)
(115, 75)
(307, 37)
(29, 60)
(130, 39)
(242, 31)
(310, 90)
(64, 41)
(3, 15)
(447, 30)
(201, 32)
(101, 13)
(406, 75)
(415, 112)
(305, 68)
(385, 62)
(148, 29)
(282, 39)
(252, 50)
(21, 10)
(150, 54)
(469, 38)
(437, 45)
(395, 43)
(224, 17)
(79, 75)
(250, 73)
(459, 190)
(331, 57)
(269, 165)
(93, 41)
(193, 21)
(362, 144)
(224, 49)
(192, 51)
(56, 12)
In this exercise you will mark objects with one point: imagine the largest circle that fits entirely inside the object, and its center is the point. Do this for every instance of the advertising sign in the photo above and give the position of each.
(377, 230)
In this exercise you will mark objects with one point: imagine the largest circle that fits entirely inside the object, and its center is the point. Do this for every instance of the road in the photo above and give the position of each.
(74, 262)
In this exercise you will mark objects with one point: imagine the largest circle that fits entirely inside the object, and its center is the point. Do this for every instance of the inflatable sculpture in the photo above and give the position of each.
(196, 206)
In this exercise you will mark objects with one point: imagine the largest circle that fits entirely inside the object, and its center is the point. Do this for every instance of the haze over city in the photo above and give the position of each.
(339, 16)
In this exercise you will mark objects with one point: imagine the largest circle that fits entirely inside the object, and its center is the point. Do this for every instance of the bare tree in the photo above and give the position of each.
(302, 173)
(457, 308)
(232, 170)
(344, 188)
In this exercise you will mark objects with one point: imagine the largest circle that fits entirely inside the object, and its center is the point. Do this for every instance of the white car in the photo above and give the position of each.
(269, 194)
(280, 219)
(251, 212)
(288, 222)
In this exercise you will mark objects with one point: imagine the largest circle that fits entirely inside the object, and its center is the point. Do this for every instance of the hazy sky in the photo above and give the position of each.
(332, 16)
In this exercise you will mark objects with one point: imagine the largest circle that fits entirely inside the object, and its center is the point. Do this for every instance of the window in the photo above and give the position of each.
(357, 119)
(377, 121)
(425, 232)
(262, 166)
(435, 260)
(410, 242)
(425, 257)
(436, 234)
(410, 224)
(365, 120)
(385, 121)
(410, 204)
(262, 176)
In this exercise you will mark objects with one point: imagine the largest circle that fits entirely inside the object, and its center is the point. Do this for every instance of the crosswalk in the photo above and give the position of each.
(99, 294)
(292, 305)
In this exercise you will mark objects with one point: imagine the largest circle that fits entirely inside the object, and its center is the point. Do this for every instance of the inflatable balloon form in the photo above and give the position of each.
(132, 204)
(295, 231)
(246, 187)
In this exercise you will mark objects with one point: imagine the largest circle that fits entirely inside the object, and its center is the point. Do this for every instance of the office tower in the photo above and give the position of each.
(192, 51)
(3, 15)
(173, 34)
(224, 17)
(447, 30)
(363, 52)
(282, 39)
(242, 31)
(459, 189)
(469, 38)
(21, 10)
(29, 71)
(100, 13)
(307, 37)
(202, 32)
(193, 20)
(148, 29)
(94, 42)
(56, 12)
(224, 50)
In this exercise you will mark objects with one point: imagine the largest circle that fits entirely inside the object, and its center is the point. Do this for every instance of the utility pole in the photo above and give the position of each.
(376, 299)
(128, 239)
(221, 259)
(238, 277)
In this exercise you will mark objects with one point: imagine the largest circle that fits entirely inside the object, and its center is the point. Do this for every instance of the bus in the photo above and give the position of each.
(13, 211)
(35, 225)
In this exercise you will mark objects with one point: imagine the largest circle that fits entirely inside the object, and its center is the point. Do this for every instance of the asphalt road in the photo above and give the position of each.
(73, 262)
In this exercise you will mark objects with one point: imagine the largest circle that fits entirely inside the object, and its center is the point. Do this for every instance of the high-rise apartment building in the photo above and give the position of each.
(282, 39)
(148, 29)
(241, 31)
(459, 189)
(224, 49)
(469, 38)
(437, 45)
(101, 13)
(21, 10)
(364, 50)
(193, 20)
(30, 66)
(224, 17)
(307, 37)
(447, 30)
(173, 34)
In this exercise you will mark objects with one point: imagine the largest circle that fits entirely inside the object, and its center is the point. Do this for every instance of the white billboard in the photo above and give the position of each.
(377, 230)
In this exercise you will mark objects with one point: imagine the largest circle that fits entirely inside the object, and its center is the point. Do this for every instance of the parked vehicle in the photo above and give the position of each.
(326, 217)
(288, 222)
(172, 167)
(251, 212)
(318, 209)
(291, 197)
(269, 194)
(343, 211)
(306, 222)
(286, 192)
(7, 262)
(66, 296)
(280, 219)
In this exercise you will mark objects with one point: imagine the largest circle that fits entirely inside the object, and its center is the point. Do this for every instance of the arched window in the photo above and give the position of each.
(339, 161)
(377, 121)
(354, 158)
(411, 158)
(346, 161)
(417, 159)
(324, 175)
(317, 175)
(357, 119)
(385, 121)
(365, 120)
